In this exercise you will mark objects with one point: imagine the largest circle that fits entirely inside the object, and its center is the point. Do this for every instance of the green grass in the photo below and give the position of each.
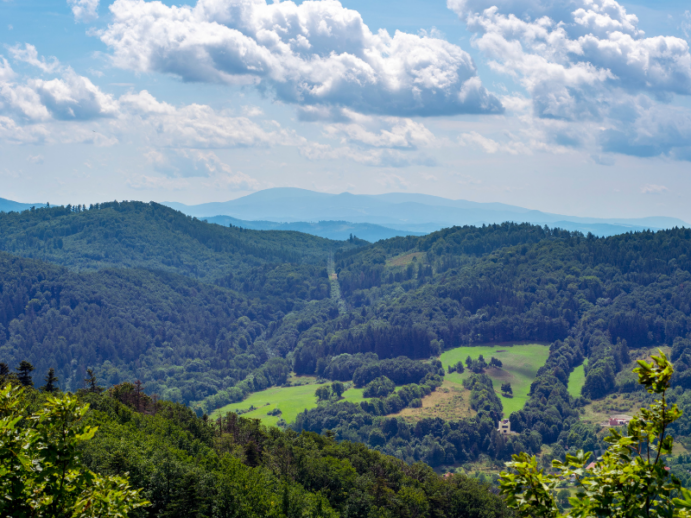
(520, 365)
(577, 379)
(290, 400)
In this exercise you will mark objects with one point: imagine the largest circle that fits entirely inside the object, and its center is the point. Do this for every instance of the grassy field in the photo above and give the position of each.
(520, 365)
(450, 401)
(577, 379)
(290, 400)
(405, 260)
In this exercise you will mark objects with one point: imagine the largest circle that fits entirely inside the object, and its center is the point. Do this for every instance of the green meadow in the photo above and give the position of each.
(577, 379)
(520, 366)
(289, 400)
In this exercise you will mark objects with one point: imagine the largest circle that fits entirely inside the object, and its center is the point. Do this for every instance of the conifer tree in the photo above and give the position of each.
(24, 375)
(91, 382)
(4, 370)
(51, 382)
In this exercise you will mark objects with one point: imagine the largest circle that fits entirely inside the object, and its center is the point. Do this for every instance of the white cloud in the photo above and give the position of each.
(315, 53)
(35, 159)
(686, 24)
(181, 164)
(69, 97)
(74, 97)
(586, 63)
(487, 144)
(197, 125)
(29, 55)
(84, 10)
(388, 132)
(653, 189)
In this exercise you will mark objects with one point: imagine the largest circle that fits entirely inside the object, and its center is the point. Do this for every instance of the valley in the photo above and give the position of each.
(418, 345)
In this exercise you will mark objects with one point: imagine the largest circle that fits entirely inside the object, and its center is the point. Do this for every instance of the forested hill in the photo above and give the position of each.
(511, 282)
(204, 315)
(149, 235)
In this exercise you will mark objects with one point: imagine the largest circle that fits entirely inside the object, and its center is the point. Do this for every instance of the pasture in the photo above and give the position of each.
(577, 379)
(289, 400)
(520, 365)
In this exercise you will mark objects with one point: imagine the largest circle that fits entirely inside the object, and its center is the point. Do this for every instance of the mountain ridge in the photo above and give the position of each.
(408, 212)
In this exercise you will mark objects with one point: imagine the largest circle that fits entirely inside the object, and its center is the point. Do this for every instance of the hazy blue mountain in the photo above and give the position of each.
(410, 213)
(15, 206)
(338, 230)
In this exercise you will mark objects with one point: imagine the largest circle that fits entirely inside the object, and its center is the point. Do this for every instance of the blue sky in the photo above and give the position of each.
(580, 107)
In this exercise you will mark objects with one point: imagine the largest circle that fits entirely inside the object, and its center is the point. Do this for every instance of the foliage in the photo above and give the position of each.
(629, 480)
(233, 467)
(379, 387)
(41, 470)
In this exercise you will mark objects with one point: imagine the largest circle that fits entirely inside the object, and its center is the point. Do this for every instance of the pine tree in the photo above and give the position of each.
(51, 382)
(4, 370)
(24, 376)
(138, 392)
(91, 382)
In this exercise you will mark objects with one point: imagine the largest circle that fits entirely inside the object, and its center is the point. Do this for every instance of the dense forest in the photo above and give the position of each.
(186, 466)
(203, 315)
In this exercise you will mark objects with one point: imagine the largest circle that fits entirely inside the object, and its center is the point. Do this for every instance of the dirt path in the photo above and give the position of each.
(335, 287)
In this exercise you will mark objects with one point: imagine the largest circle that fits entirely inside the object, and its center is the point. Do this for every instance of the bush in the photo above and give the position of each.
(379, 387)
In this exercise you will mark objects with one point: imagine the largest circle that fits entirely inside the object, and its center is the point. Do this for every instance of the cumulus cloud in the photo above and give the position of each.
(586, 62)
(197, 125)
(29, 54)
(487, 144)
(68, 97)
(312, 54)
(32, 108)
(389, 132)
(84, 10)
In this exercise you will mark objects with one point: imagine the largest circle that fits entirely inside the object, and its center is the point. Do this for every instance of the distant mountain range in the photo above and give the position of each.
(339, 230)
(388, 215)
(15, 206)
(381, 216)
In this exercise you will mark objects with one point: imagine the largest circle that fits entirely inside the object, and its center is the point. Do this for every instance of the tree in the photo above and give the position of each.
(24, 375)
(51, 382)
(138, 395)
(629, 480)
(4, 370)
(494, 362)
(323, 393)
(338, 388)
(506, 388)
(41, 473)
(91, 382)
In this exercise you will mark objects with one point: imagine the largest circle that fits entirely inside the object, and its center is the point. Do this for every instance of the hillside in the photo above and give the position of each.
(186, 466)
(184, 339)
(337, 230)
(236, 315)
(148, 235)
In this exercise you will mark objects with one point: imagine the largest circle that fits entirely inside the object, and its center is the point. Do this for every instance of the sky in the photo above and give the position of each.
(578, 107)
